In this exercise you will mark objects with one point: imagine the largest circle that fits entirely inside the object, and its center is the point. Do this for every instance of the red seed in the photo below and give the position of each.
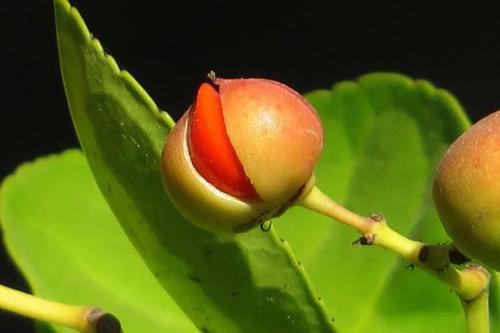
(211, 151)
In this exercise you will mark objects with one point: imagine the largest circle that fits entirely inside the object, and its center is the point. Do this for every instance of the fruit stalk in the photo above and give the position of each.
(470, 284)
(81, 318)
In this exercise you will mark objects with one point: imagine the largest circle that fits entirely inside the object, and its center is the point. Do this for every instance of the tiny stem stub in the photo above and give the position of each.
(212, 77)
(103, 322)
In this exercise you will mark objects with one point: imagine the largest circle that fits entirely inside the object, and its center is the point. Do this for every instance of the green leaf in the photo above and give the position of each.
(243, 283)
(62, 234)
(384, 135)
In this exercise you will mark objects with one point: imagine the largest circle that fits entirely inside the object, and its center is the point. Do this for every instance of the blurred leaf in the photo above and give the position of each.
(384, 135)
(61, 233)
(217, 280)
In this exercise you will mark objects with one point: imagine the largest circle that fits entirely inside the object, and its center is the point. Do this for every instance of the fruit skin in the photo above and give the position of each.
(276, 133)
(272, 129)
(467, 191)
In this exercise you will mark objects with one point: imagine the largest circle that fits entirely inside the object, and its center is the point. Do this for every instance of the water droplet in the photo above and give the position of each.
(266, 226)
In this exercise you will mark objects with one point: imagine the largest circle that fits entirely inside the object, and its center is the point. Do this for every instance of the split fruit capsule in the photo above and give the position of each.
(467, 191)
(242, 153)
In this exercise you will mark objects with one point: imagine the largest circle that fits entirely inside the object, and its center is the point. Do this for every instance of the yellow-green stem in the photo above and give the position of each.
(81, 318)
(469, 284)
(477, 314)
(321, 203)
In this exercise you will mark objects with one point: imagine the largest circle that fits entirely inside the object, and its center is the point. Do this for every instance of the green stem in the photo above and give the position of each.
(469, 284)
(81, 318)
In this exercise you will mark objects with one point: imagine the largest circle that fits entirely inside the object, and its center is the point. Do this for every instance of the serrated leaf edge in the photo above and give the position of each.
(162, 116)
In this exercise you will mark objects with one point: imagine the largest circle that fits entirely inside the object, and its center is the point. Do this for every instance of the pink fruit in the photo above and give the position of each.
(242, 154)
(467, 191)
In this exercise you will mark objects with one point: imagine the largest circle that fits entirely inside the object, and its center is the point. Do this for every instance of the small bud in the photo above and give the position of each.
(242, 153)
(467, 191)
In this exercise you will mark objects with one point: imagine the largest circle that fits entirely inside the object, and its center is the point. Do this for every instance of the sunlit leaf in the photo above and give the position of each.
(62, 234)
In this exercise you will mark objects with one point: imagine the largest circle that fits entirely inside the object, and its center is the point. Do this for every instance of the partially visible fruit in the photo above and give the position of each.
(467, 191)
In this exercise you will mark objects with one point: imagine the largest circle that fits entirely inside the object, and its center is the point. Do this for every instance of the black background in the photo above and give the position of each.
(169, 48)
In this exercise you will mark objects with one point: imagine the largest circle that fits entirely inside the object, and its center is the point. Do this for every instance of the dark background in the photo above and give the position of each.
(169, 48)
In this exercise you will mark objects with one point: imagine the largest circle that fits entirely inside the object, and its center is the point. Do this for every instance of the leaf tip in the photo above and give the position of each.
(69, 19)
(64, 10)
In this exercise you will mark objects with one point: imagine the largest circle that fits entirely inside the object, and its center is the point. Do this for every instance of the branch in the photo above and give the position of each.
(470, 284)
(81, 318)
